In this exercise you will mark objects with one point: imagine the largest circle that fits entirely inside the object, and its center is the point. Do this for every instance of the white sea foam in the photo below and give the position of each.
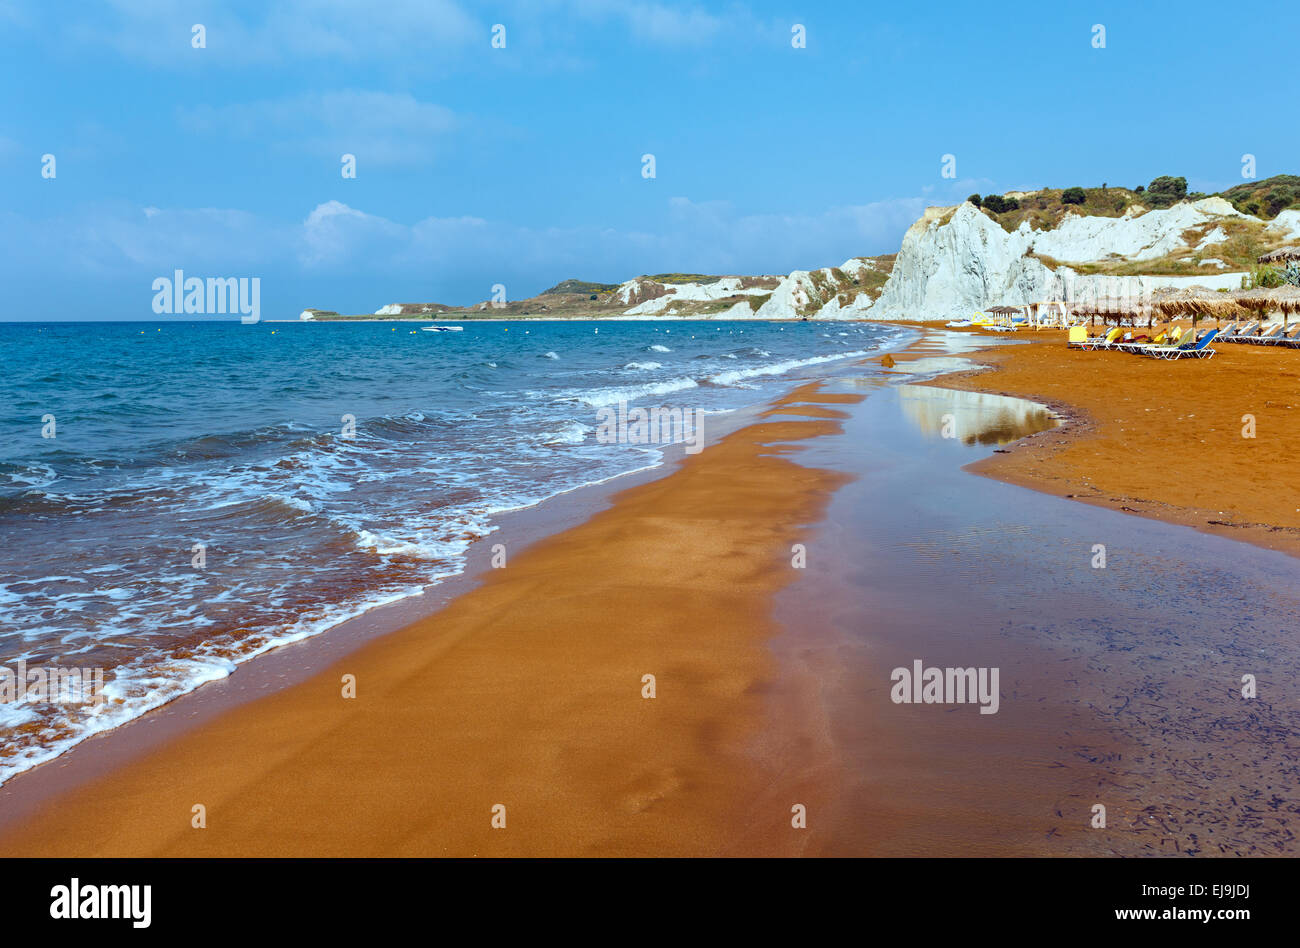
(297, 503)
(401, 522)
(780, 368)
(600, 397)
(572, 433)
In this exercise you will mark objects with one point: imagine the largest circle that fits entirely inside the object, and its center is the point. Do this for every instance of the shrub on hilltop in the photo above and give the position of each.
(1000, 205)
(1166, 191)
(1266, 198)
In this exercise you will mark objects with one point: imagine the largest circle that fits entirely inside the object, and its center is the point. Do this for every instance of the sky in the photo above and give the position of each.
(503, 142)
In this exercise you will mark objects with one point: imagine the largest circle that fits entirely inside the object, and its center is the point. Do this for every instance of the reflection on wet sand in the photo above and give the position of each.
(1120, 681)
(973, 417)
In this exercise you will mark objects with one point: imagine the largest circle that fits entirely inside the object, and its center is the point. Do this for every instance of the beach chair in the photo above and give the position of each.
(1099, 342)
(1177, 337)
(1243, 333)
(1166, 338)
(1192, 349)
(1267, 336)
(1077, 334)
(1138, 342)
(1290, 339)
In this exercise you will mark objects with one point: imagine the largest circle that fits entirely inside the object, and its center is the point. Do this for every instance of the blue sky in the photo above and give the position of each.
(522, 166)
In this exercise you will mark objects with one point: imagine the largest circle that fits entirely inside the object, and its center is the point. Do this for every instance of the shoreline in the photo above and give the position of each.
(292, 662)
(561, 725)
(1157, 440)
(453, 666)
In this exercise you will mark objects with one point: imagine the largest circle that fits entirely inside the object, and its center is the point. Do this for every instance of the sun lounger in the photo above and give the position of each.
(1192, 349)
(1177, 337)
(1243, 333)
(1164, 340)
(1097, 342)
(1139, 342)
(1290, 338)
(1267, 336)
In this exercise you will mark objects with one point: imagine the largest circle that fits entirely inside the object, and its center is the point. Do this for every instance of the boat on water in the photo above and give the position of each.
(443, 328)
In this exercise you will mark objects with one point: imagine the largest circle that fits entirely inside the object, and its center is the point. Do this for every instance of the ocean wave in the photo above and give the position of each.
(780, 368)
(29, 475)
(600, 397)
(573, 433)
(291, 512)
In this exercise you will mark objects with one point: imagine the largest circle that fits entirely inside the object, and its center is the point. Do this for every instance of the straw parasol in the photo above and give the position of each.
(1195, 303)
(1281, 255)
(1282, 299)
(1053, 310)
(1108, 308)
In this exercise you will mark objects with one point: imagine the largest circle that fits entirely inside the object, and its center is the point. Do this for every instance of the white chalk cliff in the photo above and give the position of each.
(957, 261)
(954, 261)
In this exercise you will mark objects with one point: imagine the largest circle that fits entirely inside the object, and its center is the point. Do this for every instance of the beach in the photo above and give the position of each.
(1164, 441)
(769, 585)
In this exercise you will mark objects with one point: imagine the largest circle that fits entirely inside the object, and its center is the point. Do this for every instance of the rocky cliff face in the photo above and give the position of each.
(957, 261)
(954, 261)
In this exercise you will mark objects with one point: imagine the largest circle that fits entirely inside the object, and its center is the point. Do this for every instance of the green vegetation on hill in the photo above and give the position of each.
(1165, 191)
(683, 278)
(579, 286)
(1046, 208)
(1246, 241)
(1266, 198)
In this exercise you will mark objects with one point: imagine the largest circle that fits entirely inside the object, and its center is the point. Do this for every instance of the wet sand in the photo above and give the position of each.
(525, 692)
(1119, 686)
(1161, 439)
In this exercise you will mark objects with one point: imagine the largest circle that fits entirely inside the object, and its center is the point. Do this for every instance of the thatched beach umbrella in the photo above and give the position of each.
(1053, 309)
(1281, 255)
(1116, 308)
(1036, 314)
(1188, 304)
(1007, 311)
(1283, 299)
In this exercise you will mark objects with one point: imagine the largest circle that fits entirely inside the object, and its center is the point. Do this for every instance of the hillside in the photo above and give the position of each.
(1002, 249)
(956, 261)
(842, 292)
(1268, 198)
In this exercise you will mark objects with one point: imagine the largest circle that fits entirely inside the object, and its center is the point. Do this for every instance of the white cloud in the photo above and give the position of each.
(677, 24)
(380, 128)
(659, 23)
(334, 235)
(158, 31)
(708, 237)
(341, 250)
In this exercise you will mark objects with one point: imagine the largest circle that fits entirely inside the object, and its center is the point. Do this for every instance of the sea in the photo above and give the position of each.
(177, 498)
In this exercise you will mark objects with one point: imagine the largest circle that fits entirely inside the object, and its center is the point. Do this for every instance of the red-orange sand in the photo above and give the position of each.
(527, 692)
(1162, 439)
